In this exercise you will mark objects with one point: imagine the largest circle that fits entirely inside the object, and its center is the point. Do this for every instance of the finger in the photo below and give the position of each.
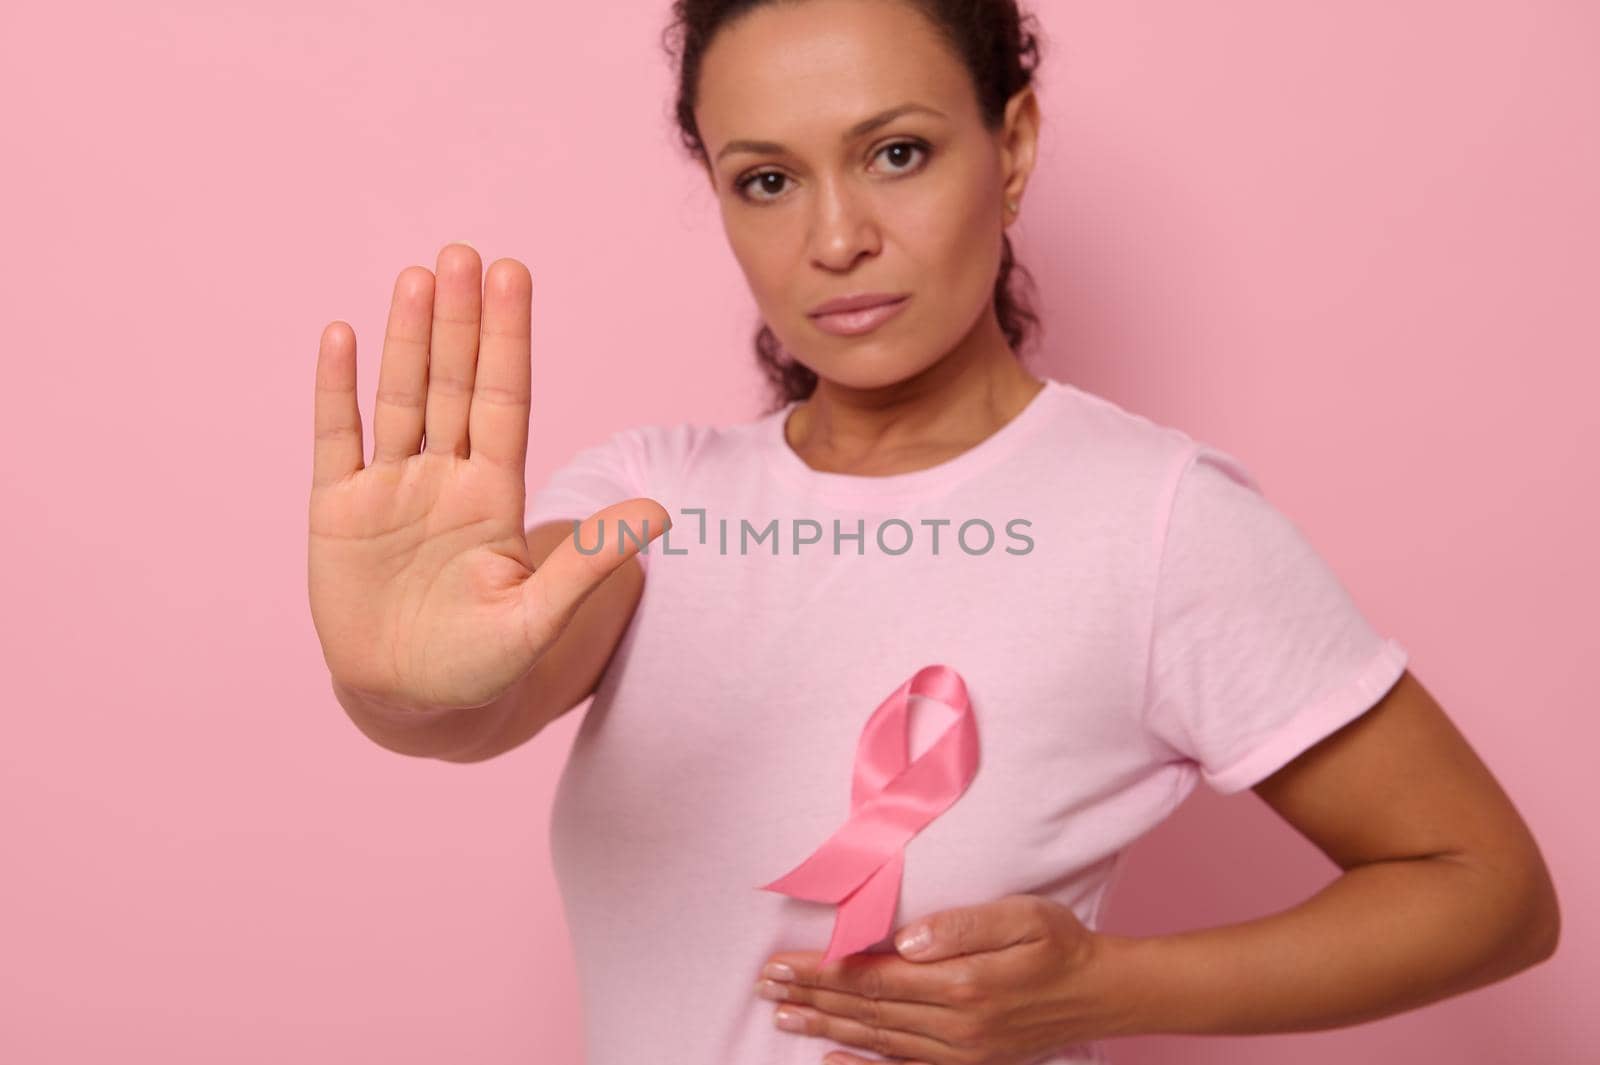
(987, 926)
(498, 428)
(938, 1018)
(403, 373)
(873, 976)
(881, 1039)
(567, 576)
(453, 348)
(336, 417)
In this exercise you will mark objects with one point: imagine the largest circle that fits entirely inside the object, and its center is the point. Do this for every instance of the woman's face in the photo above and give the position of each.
(916, 204)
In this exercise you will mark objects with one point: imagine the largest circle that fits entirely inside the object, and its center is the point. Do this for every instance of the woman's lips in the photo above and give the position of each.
(854, 323)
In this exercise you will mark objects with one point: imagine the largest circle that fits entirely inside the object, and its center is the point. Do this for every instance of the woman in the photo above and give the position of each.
(1125, 612)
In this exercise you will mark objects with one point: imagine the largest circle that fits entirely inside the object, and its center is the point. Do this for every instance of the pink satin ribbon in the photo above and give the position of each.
(859, 867)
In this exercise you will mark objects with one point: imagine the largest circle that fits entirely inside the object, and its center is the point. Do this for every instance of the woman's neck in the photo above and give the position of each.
(917, 424)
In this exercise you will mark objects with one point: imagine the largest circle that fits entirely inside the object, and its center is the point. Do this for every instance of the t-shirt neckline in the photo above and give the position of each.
(783, 460)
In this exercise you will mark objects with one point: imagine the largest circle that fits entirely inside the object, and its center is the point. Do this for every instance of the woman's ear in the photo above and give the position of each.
(1019, 141)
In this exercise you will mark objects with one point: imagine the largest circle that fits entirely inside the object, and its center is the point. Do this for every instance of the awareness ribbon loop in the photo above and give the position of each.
(859, 867)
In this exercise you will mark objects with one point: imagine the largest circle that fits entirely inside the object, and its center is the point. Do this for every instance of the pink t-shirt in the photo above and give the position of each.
(1130, 616)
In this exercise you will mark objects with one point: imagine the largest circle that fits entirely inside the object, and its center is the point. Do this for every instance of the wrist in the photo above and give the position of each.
(423, 731)
(1120, 983)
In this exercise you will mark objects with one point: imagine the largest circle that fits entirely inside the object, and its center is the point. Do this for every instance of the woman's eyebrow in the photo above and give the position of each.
(859, 129)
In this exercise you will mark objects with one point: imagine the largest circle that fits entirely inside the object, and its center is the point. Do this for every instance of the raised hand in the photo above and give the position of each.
(423, 592)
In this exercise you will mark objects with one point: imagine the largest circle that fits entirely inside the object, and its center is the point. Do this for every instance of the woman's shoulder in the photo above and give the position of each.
(1124, 442)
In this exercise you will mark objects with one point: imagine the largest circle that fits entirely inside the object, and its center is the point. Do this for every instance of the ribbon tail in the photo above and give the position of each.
(867, 914)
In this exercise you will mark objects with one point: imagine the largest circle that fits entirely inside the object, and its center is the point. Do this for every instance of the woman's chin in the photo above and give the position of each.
(865, 369)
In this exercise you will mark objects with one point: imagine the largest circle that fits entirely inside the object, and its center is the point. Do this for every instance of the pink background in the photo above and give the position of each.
(1354, 244)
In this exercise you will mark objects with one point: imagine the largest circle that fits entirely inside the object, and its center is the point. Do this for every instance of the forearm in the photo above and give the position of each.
(1381, 939)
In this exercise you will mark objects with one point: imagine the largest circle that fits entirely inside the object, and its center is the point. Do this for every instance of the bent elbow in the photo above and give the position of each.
(1552, 927)
(1540, 928)
(1525, 899)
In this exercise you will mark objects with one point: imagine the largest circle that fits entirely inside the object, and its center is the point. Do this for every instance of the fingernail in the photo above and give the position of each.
(912, 942)
(778, 971)
(464, 242)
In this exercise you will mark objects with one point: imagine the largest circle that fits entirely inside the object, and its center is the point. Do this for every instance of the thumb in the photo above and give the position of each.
(580, 563)
(970, 929)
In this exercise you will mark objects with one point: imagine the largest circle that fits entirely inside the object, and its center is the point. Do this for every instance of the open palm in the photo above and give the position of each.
(423, 591)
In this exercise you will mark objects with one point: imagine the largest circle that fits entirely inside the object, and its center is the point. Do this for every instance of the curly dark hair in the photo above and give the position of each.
(994, 41)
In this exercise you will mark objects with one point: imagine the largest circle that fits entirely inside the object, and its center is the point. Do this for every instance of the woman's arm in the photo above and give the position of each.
(1443, 890)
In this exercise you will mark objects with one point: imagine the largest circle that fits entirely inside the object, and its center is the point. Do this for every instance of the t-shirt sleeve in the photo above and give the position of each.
(592, 479)
(1257, 651)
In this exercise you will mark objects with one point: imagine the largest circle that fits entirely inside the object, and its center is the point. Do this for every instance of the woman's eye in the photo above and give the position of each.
(903, 150)
(765, 176)
(904, 147)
